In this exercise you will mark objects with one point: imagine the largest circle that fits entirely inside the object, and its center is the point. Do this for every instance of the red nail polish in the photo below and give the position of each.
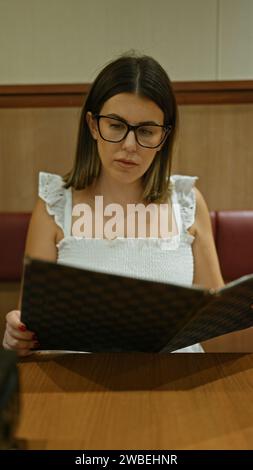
(22, 328)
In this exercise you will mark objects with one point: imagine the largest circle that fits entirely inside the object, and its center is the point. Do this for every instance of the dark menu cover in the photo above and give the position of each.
(80, 310)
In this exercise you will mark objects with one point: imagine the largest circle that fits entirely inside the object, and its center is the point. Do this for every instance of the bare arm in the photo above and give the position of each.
(41, 236)
(40, 243)
(42, 233)
(206, 264)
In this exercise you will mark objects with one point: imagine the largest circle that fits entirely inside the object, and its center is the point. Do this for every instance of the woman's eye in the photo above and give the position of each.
(145, 131)
(116, 126)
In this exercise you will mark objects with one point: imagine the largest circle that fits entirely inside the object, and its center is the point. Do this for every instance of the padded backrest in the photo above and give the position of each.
(13, 230)
(234, 243)
(233, 234)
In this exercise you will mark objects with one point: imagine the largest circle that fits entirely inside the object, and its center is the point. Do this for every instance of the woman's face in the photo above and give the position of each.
(134, 110)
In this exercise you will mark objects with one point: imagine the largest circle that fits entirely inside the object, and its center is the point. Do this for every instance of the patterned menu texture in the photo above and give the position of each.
(80, 310)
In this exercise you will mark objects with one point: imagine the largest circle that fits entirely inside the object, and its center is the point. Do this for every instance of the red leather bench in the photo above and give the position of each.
(234, 243)
(13, 230)
(233, 235)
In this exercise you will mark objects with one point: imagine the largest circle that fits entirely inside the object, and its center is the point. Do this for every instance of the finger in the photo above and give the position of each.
(13, 320)
(17, 344)
(20, 352)
(23, 335)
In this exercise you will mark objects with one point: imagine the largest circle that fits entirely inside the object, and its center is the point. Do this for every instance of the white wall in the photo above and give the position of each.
(235, 60)
(68, 41)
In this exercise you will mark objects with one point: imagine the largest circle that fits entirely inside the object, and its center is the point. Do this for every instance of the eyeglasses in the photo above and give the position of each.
(147, 135)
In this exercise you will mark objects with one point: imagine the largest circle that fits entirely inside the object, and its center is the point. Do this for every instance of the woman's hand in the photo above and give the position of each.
(17, 337)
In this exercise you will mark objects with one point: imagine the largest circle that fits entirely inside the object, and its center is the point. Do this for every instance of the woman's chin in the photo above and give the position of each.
(126, 179)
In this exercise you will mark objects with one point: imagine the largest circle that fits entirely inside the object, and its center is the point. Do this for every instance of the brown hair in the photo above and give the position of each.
(128, 74)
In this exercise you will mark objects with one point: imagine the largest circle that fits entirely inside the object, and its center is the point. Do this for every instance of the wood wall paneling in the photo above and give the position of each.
(198, 92)
(214, 143)
(38, 129)
(33, 140)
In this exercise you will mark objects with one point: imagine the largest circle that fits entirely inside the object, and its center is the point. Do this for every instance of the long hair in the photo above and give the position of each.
(145, 77)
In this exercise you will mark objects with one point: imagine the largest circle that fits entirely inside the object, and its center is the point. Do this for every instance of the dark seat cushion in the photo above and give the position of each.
(233, 234)
(234, 242)
(13, 230)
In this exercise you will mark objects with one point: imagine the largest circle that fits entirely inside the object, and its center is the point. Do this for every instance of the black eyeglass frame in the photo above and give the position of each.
(166, 127)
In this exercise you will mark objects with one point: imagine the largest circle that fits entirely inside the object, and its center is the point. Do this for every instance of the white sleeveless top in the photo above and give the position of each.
(165, 260)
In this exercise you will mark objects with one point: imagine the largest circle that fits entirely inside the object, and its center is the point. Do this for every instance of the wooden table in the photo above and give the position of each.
(137, 401)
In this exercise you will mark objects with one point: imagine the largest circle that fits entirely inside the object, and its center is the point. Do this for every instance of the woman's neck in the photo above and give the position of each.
(117, 192)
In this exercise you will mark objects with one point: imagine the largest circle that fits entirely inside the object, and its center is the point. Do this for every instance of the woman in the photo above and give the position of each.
(124, 153)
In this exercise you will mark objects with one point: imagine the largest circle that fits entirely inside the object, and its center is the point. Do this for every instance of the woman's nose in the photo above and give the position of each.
(130, 142)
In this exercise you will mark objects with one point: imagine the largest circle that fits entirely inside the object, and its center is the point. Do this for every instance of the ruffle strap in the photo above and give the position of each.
(183, 186)
(51, 190)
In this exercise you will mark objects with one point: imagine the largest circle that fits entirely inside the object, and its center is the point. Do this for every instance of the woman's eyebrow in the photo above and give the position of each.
(142, 123)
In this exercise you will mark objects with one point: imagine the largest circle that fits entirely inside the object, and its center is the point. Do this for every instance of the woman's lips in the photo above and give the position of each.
(126, 163)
